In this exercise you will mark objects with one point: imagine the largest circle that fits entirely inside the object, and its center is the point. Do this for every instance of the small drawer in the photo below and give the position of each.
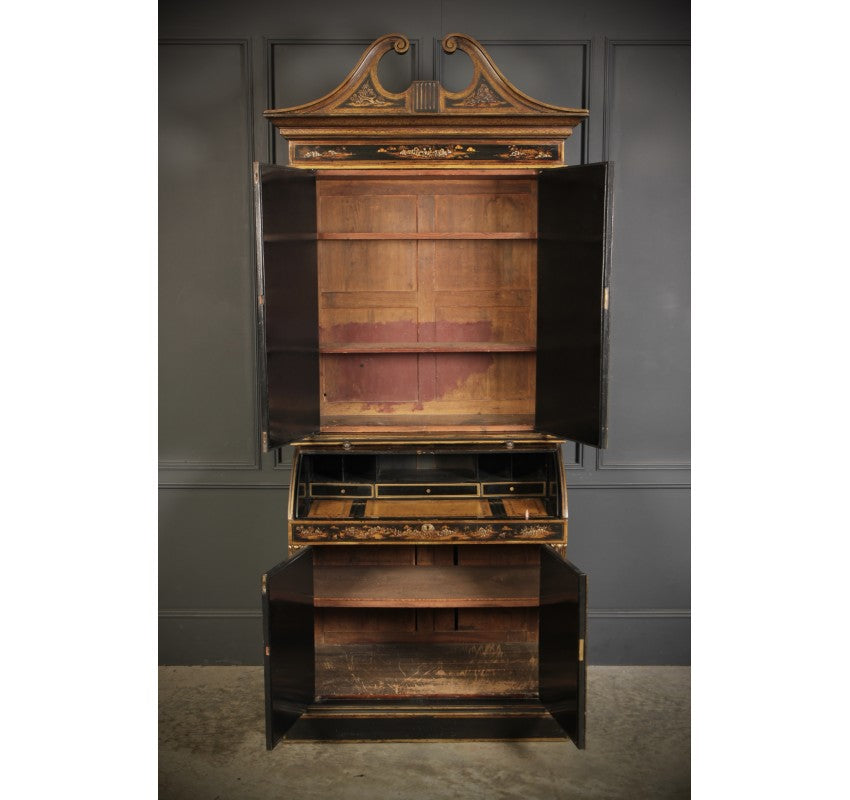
(515, 489)
(427, 489)
(340, 489)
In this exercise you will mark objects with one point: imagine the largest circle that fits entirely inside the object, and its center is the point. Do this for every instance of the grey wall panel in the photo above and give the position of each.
(220, 529)
(207, 405)
(214, 639)
(634, 544)
(648, 132)
(215, 544)
(653, 639)
(579, 19)
(367, 19)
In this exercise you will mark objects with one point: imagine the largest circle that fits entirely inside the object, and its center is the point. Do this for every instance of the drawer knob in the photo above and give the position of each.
(427, 491)
(511, 489)
(342, 491)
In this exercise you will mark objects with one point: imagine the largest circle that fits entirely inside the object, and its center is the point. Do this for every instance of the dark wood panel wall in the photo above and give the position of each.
(222, 517)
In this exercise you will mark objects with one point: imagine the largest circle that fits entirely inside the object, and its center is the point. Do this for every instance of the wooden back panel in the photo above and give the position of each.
(371, 652)
(427, 301)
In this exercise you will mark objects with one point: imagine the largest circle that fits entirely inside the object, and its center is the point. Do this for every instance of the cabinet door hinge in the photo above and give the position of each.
(256, 172)
(268, 650)
(265, 441)
(263, 585)
(605, 298)
(581, 649)
(260, 300)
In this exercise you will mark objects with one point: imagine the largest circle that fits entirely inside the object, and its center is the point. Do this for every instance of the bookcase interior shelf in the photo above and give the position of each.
(427, 299)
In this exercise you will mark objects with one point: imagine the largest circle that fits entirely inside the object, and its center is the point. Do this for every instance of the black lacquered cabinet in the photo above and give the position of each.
(433, 326)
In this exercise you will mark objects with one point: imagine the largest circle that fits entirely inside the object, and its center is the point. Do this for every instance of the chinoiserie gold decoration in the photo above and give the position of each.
(428, 533)
(426, 122)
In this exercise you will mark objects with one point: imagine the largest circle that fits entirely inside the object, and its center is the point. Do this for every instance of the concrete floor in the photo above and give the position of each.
(212, 747)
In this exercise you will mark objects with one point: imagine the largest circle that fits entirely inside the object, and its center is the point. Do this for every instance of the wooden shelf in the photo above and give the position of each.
(413, 235)
(521, 437)
(428, 347)
(426, 587)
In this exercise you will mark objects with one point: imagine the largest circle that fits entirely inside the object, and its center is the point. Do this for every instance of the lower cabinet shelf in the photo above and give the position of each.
(481, 642)
(426, 587)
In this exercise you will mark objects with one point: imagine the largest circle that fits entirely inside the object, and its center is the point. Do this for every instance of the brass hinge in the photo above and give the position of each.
(605, 299)
(265, 441)
(268, 650)
(260, 300)
(263, 585)
(581, 649)
(256, 172)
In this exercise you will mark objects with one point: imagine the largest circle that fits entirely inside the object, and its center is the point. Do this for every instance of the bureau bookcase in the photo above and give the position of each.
(433, 326)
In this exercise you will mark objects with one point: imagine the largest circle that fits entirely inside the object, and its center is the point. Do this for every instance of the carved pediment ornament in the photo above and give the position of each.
(361, 93)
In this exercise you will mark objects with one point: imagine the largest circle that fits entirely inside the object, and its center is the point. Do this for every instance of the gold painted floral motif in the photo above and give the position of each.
(427, 533)
(527, 153)
(535, 532)
(334, 153)
(482, 97)
(428, 151)
(367, 96)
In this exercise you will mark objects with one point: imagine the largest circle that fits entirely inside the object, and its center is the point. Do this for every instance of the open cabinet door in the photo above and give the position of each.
(289, 647)
(573, 277)
(563, 620)
(288, 313)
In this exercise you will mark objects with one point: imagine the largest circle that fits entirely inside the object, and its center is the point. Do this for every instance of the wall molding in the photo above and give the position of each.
(639, 613)
(248, 86)
(211, 613)
(608, 79)
(635, 485)
(251, 486)
(635, 465)
(607, 114)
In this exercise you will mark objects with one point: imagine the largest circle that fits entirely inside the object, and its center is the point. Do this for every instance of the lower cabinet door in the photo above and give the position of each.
(563, 621)
(289, 643)
(551, 704)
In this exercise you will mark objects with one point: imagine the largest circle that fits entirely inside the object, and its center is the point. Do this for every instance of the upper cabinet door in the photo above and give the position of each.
(574, 230)
(288, 315)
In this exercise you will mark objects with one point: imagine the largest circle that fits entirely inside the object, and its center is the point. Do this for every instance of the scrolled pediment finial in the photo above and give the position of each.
(401, 43)
(489, 123)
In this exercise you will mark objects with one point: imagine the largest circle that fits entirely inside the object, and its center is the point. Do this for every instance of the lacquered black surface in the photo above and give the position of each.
(470, 473)
(563, 620)
(574, 229)
(289, 315)
(289, 640)
(491, 726)
(453, 152)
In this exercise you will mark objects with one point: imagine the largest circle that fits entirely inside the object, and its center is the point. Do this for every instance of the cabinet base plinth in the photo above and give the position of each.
(356, 721)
